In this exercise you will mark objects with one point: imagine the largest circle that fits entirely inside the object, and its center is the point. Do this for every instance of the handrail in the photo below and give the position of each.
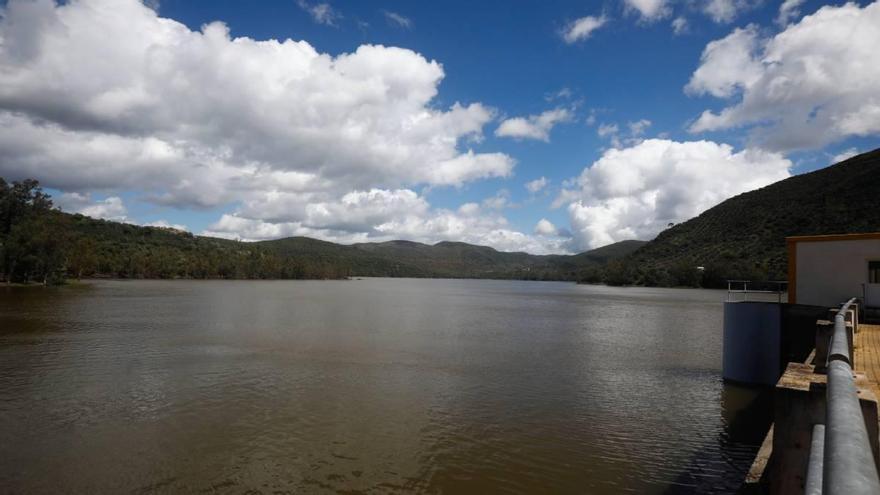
(848, 465)
(813, 485)
(781, 288)
(839, 347)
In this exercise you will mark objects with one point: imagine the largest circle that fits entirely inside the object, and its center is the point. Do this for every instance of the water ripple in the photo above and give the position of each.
(374, 386)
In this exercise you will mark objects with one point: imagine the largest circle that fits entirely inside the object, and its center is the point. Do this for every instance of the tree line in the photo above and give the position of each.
(41, 244)
(680, 273)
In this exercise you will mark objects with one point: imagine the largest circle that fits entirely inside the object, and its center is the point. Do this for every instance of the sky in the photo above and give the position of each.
(545, 126)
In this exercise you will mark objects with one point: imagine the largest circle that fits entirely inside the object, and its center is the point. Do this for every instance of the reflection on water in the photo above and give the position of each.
(370, 386)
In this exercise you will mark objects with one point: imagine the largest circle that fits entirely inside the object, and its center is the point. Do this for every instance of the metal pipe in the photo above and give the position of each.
(848, 466)
(839, 349)
(814, 469)
(849, 463)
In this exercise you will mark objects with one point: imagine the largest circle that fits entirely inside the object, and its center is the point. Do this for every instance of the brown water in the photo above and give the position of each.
(368, 386)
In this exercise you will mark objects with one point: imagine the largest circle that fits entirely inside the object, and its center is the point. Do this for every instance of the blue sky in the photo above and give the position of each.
(194, 138)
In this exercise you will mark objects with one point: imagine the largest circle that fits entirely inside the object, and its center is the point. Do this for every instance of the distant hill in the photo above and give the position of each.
(39, 243)
(744, 237)
(610, 252)
(446, 259)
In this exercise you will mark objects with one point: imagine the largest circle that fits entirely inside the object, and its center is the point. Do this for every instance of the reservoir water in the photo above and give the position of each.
(369, 386)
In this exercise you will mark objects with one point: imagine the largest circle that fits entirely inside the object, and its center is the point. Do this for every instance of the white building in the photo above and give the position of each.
(825, 270)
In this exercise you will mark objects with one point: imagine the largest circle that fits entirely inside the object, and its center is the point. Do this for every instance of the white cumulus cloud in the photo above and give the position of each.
(321, 12)
(398, 20)
(788, 11)
(679, 25)
(649, 10)
(725, 11)
(162, 106)
(812, 84)
(107, 96)
(110, 208)
(581, 29)
(638, 127)
(545, 227)
(499, 201)
(381, 215)
(619, 140)
(534, 126)
(727, 65)
(537, 185)
(606, 130)
(844, 155)
(633, 193)
(165, 224)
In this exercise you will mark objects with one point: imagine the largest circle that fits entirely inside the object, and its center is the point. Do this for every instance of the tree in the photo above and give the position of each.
(618, 272)
(31, 233)
(35, 249)
(656, 277)
(685, 274)
(83, 257)
(589, 275)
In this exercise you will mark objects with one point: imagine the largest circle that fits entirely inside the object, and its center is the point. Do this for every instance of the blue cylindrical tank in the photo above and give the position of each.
(752, 334)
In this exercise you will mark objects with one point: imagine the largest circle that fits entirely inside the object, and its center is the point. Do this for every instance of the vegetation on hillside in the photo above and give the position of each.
(448, 259)
(41, 244)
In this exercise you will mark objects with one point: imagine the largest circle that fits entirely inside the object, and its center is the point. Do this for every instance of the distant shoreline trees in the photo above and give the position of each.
(40, 244)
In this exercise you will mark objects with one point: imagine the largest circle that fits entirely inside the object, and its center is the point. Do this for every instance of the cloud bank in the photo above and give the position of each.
(633, 193)
(292, 140)
(812, 84)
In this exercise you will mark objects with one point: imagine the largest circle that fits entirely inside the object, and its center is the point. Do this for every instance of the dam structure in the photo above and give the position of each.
(815, 339)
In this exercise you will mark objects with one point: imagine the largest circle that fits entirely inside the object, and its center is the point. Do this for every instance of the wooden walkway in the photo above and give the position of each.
(867, 350)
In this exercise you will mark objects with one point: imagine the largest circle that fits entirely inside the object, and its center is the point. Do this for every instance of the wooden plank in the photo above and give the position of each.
(867, 350)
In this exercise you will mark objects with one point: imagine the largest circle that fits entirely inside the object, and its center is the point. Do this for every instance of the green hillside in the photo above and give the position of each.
(744, 237)
(446, 259)
(41, 244)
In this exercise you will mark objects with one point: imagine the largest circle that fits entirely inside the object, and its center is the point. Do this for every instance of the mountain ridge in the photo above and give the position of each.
(450, 259)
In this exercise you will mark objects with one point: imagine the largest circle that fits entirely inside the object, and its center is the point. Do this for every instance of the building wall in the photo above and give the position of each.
(830, 272)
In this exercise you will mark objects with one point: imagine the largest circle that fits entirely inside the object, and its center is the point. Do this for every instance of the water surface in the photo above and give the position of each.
(368, 386)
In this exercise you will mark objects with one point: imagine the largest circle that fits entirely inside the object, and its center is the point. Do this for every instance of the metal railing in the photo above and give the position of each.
(814, 469)
(779, 287)
(846, 461)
